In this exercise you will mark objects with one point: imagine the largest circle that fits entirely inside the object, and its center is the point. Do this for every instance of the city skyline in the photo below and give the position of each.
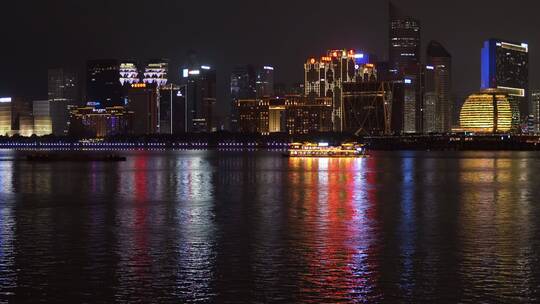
(218, 39)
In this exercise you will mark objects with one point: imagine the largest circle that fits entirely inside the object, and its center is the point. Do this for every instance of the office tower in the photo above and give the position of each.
(410, 104)
(264, 82)
(404, 41)
(156, 72)
(489, 111)
(129, 73)
(201, 99)
(430, 112)
(98, 122)
(252, 116)
(438, 85)
(325, 78)
(103, 85)
(63, 84)
(143, 102)
(5, 116)
(59, 110)
(171, 109)
(243, 86)
(308, 115)
(535, 110)
(505, 66)
(42, 117)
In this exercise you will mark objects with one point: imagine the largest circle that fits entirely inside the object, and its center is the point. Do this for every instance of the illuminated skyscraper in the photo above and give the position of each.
(171, 109)
(243, 87)
(63, 85)
(250, 82)
(264, 82)
(143, 101)
(404, 41)
(201, 98)
(535, 110)
(5, 116)
(129, 74)
(156, 72)
(42, 117)
(325, 78)
(505, 66)
(103, 85)
(438, 85)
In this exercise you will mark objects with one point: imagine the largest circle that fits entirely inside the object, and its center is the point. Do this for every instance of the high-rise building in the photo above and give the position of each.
(325, 77)
(243, 87)
(264, 82)
(171, 109)
(438, 85)
(129, 74)
(201, 99)
(535, 110)
(252, 116)
(42, 117)
(249, 82)
(404, 44)
(5, 116)
(404, 65)
(156, 72)
(63, 84)
(430, 112)
(505, 66)
(103, 84)
(143, 102)
(59, 110)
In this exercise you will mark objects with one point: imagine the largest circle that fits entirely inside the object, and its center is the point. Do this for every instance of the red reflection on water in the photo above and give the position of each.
(140, 228)
(340, 208)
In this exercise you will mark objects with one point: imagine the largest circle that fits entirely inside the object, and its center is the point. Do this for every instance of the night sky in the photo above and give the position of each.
(39, 34)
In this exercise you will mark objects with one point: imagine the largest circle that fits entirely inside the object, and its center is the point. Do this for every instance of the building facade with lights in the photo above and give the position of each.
(325, 77)
(143, 102)
(292, 114)
(405, 43)
(93, 122)
(172, 109)
(505, 66)
(200, 95)
(489, 111)
(103, 84)
(438, 88)
(249, 82)
(42, 117)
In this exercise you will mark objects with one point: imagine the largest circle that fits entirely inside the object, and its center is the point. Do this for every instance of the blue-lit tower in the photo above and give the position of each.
(505, 66)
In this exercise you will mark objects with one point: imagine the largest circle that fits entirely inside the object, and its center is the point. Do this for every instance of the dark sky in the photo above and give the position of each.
(38, 34)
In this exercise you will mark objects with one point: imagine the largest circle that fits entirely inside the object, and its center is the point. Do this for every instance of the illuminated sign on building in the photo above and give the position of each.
(5, 99)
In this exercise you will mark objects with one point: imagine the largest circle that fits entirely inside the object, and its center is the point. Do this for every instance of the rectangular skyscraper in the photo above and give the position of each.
(505, 66)
(103, 83)
(404, 40)
(438, 86)
(201, 99)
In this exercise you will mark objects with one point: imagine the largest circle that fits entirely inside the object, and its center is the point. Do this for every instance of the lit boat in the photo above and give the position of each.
(325, 150)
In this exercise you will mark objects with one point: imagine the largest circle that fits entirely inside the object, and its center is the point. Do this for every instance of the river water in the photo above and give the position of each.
(255, 227)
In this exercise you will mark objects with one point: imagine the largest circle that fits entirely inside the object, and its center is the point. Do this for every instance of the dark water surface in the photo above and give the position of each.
(233, 227)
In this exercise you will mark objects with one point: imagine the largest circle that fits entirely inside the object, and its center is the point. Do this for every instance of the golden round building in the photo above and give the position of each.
(489, 111)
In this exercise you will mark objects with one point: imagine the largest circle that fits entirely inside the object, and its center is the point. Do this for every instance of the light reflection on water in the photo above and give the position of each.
(234, 227)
